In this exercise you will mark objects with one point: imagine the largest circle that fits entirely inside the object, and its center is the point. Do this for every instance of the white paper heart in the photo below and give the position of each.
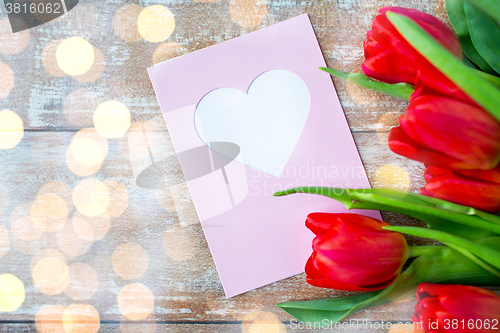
(266, 123)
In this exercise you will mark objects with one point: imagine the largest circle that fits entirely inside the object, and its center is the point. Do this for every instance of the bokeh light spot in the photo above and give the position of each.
(387, 121)
(83, 282)
(87, 151)
(12, 43)
(247, 13)
(81, 318)
(69, 242)
(75, 56)
(11, 129)
(72, 152)
(29, 247)
(7, 82)
(262, 322)
(165, 199)
(49, 212)
(130, 261)
(51, 275)
(91, 228)
(112, 119)
(59, 188)
(167, 51)
(49, 59)
(25, 229)
(135, 301)
(91, 197)
(11, 293)
(125, 22)
(48, 319)
(392, 176)
(95, 70)
(4, 241)
(118, 199)
(4, 199)
(47, 253)
(410, 328)
(156, 23)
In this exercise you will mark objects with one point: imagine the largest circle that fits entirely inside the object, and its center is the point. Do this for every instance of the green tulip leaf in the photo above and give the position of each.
(472, 257)
(332, 308)
(485, 35)
(495, 80)
(490, 7)
(484, 252)
(439, 214)
(398, 90)
(482, 91)
(456, 14)
(440, 265)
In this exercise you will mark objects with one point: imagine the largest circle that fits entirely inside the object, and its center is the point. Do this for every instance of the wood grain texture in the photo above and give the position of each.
(183, 290)
(180, 272)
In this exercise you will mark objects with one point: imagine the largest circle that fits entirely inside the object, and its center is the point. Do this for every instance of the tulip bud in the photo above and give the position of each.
(456, 308)
(390, 58)
(448, 133)
(445, 128)
(474, 188)
(353, 252)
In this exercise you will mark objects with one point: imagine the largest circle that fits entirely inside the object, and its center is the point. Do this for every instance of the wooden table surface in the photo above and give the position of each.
(141, 263)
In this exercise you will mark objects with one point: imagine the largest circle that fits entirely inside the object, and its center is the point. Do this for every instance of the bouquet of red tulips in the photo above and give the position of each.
(452, 125)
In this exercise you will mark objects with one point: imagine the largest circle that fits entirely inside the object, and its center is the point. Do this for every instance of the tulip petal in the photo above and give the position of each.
(431, 25)
(355, 249)
(443, 265)
(457, 129)
(316, 278)
(319, 223)
(465, 191)
(440, 302)
(402, 144)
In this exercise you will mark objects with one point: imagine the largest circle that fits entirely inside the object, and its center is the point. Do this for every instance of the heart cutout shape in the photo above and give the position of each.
(265, 123)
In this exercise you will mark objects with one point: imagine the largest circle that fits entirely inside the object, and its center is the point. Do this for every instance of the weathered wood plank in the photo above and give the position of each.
(39, 97)
(184, 281)
(178, 269)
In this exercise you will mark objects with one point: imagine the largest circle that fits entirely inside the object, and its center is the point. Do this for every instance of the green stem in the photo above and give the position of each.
(490, 78)
(475, 259)
(417, 251)
(438, 214)
(486, 253)
(398, 90)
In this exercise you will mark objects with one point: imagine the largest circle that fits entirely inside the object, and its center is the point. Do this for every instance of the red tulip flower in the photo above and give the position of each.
(388, 55)
(474, 188)
(445, 128)
(456, 308)
(353, 252)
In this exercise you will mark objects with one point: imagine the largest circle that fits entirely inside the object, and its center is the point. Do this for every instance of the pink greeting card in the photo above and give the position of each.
(249, 117)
